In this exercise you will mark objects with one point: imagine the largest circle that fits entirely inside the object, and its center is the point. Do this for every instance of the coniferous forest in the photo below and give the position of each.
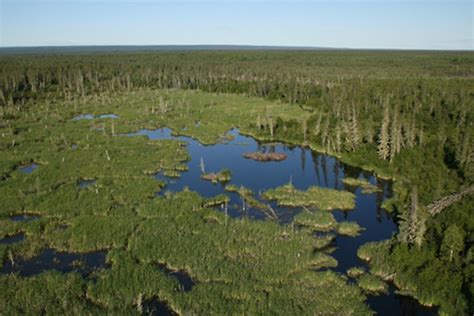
(405, 116)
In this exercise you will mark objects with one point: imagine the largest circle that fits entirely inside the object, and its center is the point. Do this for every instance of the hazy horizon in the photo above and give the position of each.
(229, 47)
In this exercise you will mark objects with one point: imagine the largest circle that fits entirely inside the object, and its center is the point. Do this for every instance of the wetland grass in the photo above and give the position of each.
(316, 220)
(372, 284)
(50, 293)
(247, 195)
(351, 229)
(323, 241)
(365, 185)
(236, 263)
(222, 176)
(171, 174)
(219, 200)
(317, 197)
(355, 272)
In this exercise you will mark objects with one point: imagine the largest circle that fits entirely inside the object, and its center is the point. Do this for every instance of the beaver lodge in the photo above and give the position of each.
(265, 156)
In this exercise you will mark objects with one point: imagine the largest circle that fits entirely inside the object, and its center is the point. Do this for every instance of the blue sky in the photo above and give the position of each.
(405, 24)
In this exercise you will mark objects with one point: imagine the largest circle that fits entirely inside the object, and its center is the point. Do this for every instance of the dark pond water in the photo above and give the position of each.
(155, 307)
(24, 217)
(394, 305)
(91, 117)
(50, 259)
(304, 168)
(185, 281)
(28, 169)
(12, 239)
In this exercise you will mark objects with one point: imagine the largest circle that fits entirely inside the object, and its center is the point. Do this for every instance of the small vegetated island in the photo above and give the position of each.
(321, 198)
(362, 183)
(87, 226)
(221, 176)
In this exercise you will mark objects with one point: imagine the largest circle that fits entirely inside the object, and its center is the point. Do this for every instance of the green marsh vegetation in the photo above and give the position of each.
(248, 197)
(348, 228)
(239, 265)
(320, 198)
(372, 284)
(323, 241)
(316, 220)
(406, 115)
(215, 177)
(355, 272)
(364, 184)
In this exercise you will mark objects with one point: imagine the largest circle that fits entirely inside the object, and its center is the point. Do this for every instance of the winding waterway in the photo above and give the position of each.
(304, 168)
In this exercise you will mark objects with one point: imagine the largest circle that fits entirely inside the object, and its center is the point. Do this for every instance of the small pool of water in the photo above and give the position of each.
(12, 239)
(24, 217)
(91, 117)
(28, 168)
(83, 117)
(112, 116)
(50, 259)
(304, 168)
(155, 307)
(82, 184)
